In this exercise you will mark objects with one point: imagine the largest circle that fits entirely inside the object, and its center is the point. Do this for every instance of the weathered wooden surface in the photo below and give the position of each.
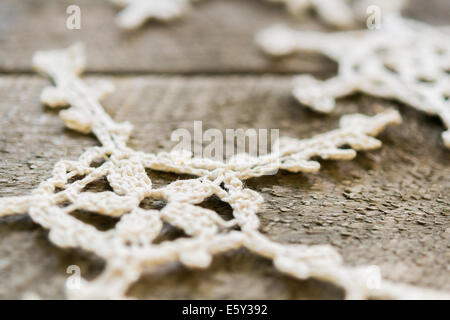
(388, 207)
(215, 37)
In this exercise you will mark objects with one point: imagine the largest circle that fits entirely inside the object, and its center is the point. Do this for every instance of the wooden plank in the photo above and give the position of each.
(387, 207)
(216, 37)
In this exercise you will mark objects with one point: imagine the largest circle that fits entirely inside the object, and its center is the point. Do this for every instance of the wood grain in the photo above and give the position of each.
(215, 37)
(388, 207)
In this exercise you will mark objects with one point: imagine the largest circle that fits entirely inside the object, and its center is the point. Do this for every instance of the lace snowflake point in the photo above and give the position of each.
(71, 60)
(54, 97)
(136, 12)
(307, 91)
(277, 40)
(370, 125)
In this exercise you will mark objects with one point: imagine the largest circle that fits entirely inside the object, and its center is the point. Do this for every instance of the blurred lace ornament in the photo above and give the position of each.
(338, 13)
(405, 60)
(137, 12)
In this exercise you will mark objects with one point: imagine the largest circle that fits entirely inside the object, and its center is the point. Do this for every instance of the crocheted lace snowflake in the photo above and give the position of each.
(405, 60)
(339, 13)
(342, 13)
(136, 12)
(128, 248)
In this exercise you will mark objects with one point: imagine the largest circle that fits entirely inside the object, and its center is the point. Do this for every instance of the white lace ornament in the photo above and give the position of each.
(137, 12)
(128, 249)
(342, 13)
(405, 60)
(338, 13)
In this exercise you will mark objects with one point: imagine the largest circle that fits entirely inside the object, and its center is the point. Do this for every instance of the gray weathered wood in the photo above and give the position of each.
(216, 37)
(388, 207)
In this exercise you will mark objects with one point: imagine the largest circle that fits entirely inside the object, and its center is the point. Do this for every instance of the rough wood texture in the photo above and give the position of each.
(388, 207)
(215, 37)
